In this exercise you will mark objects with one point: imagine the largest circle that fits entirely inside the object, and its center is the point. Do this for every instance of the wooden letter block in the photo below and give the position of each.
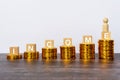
(14, 50)
(49, 43)
(106, 35)
(67, 41)
(31, 47)
(87, 39)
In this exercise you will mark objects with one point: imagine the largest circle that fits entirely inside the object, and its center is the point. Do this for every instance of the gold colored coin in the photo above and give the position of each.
(14, 57)
(31, 55)
(49, 53)
(87, 51)
(67, 52)
(106, 49)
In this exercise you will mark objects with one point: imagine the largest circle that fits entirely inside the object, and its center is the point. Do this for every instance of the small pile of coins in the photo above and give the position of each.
(13, 56)
(14, 53)
(67, 52)
(106, 49)
(87, 51)
(49, 53)
(31, 52)
(31, 55)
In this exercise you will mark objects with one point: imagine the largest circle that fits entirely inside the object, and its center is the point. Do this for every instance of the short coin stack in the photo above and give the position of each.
(13, 57)
(14, 53)
(87, 51)
(49, 52)
(31, 55)
(106, 49)
(31, 52)
(67, 51)
(87, 48)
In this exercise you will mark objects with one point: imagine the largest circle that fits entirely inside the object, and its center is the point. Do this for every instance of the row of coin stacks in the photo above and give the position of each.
(67, 50)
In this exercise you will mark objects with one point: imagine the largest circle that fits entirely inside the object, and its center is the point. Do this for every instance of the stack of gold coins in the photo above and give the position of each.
(87, 48)
(67, 51)
(106, 49)
(106, 45)
(13, 57)
(49, 52)
(87, 51)
(31, 55)
(14, 53)
(31, 52)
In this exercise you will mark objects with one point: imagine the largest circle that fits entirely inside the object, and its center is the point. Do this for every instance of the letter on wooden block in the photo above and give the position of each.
(49, 43)
(67, 41)
(31, 47)
(106, 35)
(14, 50)
(87, 39)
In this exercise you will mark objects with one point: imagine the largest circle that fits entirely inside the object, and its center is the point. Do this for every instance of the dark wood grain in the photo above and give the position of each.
(59, 70)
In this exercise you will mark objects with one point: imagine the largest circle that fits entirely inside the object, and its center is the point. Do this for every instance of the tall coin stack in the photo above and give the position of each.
(87, 48)
(31, 52)
(14, 53)
(49, 52)
(67, 51)
(106, 45)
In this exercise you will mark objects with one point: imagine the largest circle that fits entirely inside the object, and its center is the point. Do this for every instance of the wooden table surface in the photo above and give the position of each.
(59, 70)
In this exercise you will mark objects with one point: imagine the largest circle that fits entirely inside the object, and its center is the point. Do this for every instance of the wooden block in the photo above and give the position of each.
(30, 47)
(106, 35)
(49, 43)
(105, 25)
(14, 50)
(67, 41)
(87, 39)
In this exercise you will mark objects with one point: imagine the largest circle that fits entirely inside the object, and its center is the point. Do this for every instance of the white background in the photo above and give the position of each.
(33, 21)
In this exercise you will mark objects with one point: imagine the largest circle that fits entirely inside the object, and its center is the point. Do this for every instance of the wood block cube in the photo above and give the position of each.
(49, 43)
(30, 47)
(106, 35)
(14, 50)
(87, 39)
(67, 41)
